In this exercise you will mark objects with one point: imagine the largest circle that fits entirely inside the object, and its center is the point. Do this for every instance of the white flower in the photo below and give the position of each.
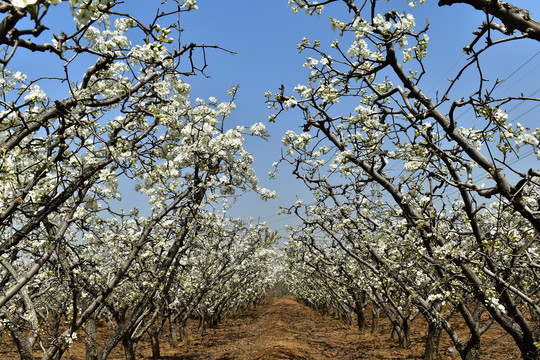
(500, 116)
(36, 94)
(325, 61)
(266, 194)
(190, 4)
(290, 102)
(23, 3)
(257, 129)
(19, 77)
(413, 165)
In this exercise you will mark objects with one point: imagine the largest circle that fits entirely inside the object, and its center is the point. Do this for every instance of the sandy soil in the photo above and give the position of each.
(282, 328)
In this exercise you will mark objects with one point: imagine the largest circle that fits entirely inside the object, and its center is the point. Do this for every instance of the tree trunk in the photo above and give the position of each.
(361, 318)
(202, 323)
(173, 331)
(154, 340)
(213, 321)
(183, 334)
(402, 333)
(25, 351)
(129, 347)
(536, 330)
(375, 320)
(394, 335)
(359, 309)
(432, 342)
(404, 339)
(534, 354)
(530, 352)
(471, 351)
(91, 344)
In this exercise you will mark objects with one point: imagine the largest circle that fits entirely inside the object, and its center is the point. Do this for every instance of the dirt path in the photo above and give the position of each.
(282, 328)
(279, 328)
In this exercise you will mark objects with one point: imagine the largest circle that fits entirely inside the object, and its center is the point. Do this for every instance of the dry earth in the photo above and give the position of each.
(282, 328)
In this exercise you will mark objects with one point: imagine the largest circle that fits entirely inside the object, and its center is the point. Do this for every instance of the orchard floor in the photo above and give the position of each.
(282, 328)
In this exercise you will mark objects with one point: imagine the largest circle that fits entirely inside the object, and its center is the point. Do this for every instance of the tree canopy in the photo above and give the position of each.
(421, 202)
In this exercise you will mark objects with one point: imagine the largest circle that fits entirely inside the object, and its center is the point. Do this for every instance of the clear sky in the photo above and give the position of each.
(264, 35)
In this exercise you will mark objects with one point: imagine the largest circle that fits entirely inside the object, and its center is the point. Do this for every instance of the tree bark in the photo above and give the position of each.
(375, 319)
(202, 323)
(129, 347)
(536, 330)
(183, 333)
(173, 331)
(471, 351)
(91, 343)
(432, 341)
(361, 318)
(25, 351)
(154, 340)
(403, 335)
(510, 15)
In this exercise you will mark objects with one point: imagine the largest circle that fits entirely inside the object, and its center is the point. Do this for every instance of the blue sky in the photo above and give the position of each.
(264, 35)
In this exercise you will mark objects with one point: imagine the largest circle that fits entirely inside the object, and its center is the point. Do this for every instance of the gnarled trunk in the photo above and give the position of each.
(361, 318)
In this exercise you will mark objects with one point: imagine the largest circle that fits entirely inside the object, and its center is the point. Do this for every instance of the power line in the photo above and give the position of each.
(528, 111)
(444, 76)
(518, 81)
(506, 79)
(522, 65)
(522, 102)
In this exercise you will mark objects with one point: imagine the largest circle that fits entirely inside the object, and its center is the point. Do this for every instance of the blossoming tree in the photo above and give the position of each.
(368, 126)
(119, 111)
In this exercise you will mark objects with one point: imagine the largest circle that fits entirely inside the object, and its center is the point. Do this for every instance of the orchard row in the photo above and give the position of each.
(421, 204)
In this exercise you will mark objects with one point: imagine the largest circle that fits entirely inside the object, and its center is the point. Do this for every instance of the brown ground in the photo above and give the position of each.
(282, 328)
